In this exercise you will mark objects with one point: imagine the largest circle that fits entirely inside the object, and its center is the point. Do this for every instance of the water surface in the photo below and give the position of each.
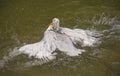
(24, 21)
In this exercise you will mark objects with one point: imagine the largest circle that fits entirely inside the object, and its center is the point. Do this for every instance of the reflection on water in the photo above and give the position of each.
(24, 21)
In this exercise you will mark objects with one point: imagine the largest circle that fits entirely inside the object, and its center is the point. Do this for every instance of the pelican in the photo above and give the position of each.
(58, 38)
(55, 38)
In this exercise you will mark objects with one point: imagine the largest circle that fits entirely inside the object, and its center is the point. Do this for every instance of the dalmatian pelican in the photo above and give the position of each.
(55, 38)
(58, 38)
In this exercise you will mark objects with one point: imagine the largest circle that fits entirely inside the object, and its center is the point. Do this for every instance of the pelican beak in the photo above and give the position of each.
(50, 26)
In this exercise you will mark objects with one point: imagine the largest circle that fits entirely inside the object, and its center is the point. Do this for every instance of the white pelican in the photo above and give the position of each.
(55, 38)
(58, 38)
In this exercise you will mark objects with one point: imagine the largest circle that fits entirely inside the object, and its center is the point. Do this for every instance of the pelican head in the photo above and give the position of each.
(54, 25)
(55, 22)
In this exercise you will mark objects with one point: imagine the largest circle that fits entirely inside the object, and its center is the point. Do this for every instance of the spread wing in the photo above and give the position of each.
(51, 41)
(65, 45)
(43, 49)
(79, 36)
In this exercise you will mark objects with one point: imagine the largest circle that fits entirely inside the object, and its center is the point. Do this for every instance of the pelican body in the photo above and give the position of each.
(57, 38)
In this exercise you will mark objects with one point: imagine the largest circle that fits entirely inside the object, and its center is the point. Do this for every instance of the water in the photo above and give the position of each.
(24, 21)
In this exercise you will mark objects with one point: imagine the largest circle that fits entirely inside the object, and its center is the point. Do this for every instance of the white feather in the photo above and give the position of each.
(58, 38)
(79, 36)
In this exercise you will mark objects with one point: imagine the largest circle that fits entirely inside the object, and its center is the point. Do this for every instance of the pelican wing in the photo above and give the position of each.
(79, 36)
(43, 49)
(65, 45)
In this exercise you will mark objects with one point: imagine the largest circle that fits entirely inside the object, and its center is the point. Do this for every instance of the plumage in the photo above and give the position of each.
(79, 36)
(58, 38)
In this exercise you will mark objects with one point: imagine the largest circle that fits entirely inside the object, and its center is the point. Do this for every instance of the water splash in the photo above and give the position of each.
(13, 53)
(62, 41)
(66, 38)
(104, 20)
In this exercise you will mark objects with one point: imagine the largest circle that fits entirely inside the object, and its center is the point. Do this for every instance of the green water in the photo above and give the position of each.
(24, 21)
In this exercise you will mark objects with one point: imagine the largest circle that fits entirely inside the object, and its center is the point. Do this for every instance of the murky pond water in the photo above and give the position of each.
(24, 21)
